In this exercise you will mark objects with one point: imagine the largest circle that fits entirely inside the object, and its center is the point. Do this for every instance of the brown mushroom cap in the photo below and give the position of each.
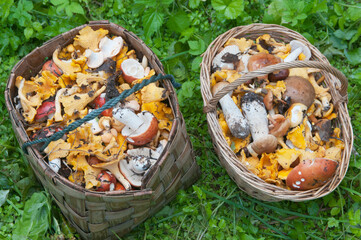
(261, 60)
(280, 125)
(266, 144)
(300, 90)
(218, 86)
(311, 173)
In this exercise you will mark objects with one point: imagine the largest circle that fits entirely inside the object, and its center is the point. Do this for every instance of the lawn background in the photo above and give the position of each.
(178, 32)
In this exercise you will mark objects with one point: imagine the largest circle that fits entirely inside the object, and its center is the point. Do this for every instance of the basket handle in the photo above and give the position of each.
(212, 103)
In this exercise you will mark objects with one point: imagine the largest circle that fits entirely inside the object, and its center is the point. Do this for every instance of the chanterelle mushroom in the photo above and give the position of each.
(256, 115)
(236, 122)
(139, 128)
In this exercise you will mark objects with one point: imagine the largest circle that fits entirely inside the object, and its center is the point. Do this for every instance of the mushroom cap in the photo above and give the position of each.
(268, 100)
(280, 125)
(218, 86)
(324, 128)
(111, 47)
(261, 60)
(266, 144)
(278, 75)
(219, 60)
(52, 67)
(145, 133)
(135, 169)
(132, 70)
(107, 181)
(95, 59)
(44, 111)
(311, 173)
(296, 113)
(300, 90)
(305, 50)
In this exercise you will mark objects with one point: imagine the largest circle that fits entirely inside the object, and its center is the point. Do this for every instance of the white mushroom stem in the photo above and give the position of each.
(128, 117)
(235, 120)
(144, 62)
(293, 55)
(256, 114)
(55, 164)
(297, 48)
(95, 126)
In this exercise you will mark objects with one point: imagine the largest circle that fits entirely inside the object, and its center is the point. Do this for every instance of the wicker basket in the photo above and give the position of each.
(334, 79)
(101, 215)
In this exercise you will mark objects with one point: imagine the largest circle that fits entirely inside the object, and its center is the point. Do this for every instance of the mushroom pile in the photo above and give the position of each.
(280, 125)
(115, 150)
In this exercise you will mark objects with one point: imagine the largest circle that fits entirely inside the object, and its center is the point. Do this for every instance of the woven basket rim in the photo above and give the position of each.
(246, 180)
(154, 63)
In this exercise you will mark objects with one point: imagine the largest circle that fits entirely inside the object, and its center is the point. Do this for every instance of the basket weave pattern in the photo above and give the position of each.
(101, 215)
(334, 79)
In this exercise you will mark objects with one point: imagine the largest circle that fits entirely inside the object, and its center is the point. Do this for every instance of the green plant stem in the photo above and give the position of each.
(174, 56)
(20, 212)
(279, 210)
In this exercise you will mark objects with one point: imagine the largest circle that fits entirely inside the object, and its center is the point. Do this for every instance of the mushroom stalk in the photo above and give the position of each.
(114, 169)
(236, 122)
(128, 117)
(256, 115)
(293, 55)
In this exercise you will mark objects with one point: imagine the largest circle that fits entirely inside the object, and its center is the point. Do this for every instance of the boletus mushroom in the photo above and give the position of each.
(300, 90)
(261, 60)
(311, 173)
(256, 115)
(139, 128)
(235, 120)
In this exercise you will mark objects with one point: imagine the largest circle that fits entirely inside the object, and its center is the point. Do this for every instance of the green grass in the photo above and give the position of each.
(178, 32)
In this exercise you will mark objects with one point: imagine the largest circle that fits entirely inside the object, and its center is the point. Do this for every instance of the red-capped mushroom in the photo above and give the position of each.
(44, 111)
(139, 128)
(132, 70)
(311, 173)
(51, 66)
(119, 186)
(107, 181)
